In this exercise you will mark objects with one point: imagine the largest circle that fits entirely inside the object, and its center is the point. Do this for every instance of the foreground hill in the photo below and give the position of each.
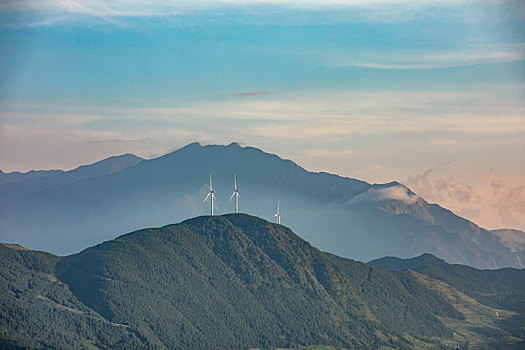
(239, 282)
(501, 288)
(68, 212)
(38, 311)
(233, 281)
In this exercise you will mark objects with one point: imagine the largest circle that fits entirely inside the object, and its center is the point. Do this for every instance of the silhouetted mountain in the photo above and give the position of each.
(57, 178)
(33, 174)
(501, 288)
(341, 215)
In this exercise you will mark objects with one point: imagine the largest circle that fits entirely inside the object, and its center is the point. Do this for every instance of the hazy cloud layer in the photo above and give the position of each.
(331, 122)
(491, 200)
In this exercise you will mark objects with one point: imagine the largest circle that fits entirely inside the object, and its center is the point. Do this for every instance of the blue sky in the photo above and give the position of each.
(429, 93)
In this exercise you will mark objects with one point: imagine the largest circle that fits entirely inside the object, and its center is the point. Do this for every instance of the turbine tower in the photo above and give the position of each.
(211, 195)
(235, 193)
(278, 215)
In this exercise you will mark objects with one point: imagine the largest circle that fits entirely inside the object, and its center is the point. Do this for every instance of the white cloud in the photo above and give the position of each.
(399, 193)
(413, 59)
(136, 8)
(49, 12)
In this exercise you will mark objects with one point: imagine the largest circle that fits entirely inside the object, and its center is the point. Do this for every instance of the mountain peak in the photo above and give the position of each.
(191, 145)
(197, 146)
(110, 164)
(15, 246)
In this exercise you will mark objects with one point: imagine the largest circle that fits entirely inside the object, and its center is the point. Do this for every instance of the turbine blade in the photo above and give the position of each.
(233, 194)
(207, 197)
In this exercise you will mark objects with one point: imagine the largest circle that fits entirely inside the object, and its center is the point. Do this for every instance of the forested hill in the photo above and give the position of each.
(502, 288)
(236, 281)
(232, 281)
(39, 312)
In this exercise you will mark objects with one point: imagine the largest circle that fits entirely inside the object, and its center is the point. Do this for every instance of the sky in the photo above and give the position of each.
(427, 93)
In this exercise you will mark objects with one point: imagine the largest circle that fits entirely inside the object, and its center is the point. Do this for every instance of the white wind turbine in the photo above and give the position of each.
(278, 215)
(211, 195)
(235, 193)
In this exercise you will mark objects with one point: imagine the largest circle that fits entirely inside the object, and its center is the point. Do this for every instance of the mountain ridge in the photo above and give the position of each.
(58, 178)
(399, 264)
(15, 176)
(342, 215)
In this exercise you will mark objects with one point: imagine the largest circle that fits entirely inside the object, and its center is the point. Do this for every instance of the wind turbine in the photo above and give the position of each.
(278, 215)
(235, 193)
(211, 195)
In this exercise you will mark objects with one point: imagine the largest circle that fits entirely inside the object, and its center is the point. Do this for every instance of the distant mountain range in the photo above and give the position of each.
(65, 212)
(240, 282)
(33, 174)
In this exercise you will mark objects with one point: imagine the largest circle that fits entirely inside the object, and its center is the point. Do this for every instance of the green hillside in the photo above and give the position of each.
(502, 288)
(493, 301)
(223, 282)
(38, 311)
(237, 281)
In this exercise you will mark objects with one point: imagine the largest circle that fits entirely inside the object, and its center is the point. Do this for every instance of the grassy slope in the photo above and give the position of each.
(483, 326)
(501, 288)
(493, 301)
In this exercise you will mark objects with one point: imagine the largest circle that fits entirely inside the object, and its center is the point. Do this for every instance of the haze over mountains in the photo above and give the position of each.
(65, 212)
